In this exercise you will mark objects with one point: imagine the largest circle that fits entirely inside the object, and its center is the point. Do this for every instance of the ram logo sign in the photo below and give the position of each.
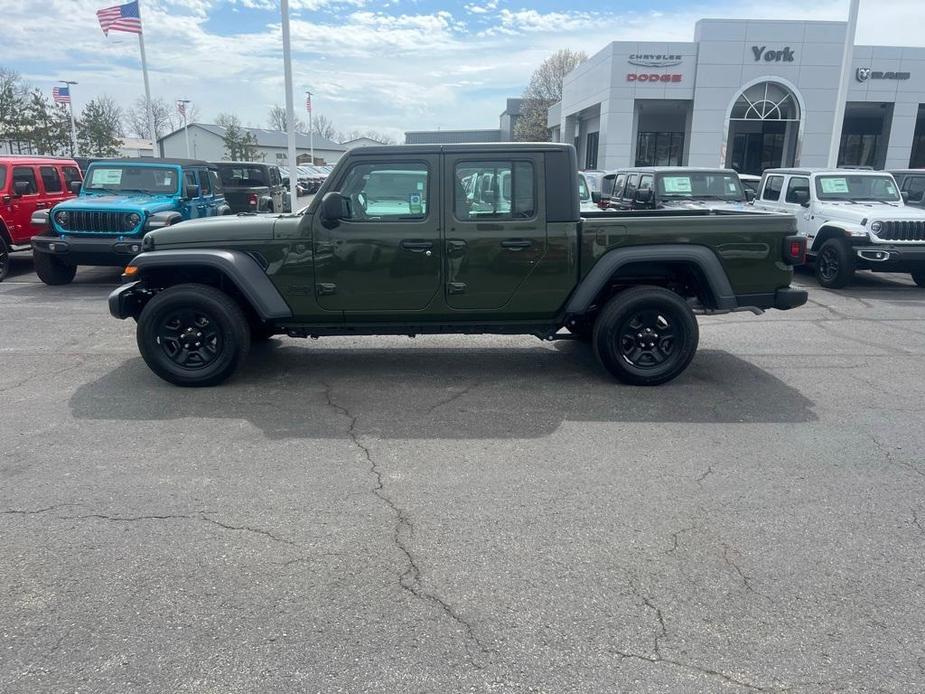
(862, 74)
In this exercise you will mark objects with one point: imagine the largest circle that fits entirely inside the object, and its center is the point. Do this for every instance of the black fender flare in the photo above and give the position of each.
(223, 210)
(700, 256)
(238, 267)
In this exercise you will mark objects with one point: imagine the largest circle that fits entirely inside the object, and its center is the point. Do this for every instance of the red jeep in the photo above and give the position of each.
(28, 184)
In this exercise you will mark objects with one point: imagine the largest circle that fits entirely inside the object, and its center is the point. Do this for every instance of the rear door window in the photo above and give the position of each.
(51, 181)
(618, 185)
(205, 183)
(501, 190)
(631, 183)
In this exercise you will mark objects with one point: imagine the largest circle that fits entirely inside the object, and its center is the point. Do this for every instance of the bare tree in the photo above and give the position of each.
(382, 138)
(544, 90)
(166, 117)
(277, 120)
(323, 126)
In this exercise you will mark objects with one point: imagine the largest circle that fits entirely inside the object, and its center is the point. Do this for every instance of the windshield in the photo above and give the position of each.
(701, 185)
(855, 188)
(583, 192)
(246, 176)
(126, 178)
(593, 179)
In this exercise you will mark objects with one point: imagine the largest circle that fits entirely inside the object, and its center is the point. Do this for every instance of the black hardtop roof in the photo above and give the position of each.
(918, 172)
(152, 160)
(488, 147)
(242, 163)
(676, 169)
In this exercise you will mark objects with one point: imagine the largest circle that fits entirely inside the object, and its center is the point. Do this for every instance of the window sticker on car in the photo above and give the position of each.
(106, 177)
(414, 203)
(677, 184)
(831, 184)
(731, 186)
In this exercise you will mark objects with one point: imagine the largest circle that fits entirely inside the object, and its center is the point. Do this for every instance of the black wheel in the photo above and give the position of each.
(4, 259)
(834, 264)
(193, 335)
(645, 336)
(918, 276)
(52, 270)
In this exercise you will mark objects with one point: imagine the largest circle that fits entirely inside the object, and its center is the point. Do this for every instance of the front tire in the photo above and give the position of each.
(51, 270)
(193, 335)
(646, 336)
(834, 264)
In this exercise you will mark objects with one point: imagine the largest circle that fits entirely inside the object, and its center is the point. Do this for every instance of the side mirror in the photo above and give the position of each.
(801, 197)
(596, 196)
(190, 192)
(20, 188)
(905, 195)
(334, 207)
(75, 187)
(749, 195)
(643, 197)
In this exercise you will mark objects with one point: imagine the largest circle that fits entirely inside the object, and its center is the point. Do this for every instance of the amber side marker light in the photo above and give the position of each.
(130, 272)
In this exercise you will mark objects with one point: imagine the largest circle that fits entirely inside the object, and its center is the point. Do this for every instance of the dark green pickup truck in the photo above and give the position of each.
(454, 239)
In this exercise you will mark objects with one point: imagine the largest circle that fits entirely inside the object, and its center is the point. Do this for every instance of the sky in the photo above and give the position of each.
(390, 66)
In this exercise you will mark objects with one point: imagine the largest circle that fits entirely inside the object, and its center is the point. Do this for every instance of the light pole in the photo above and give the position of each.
(290, 114)
(70, 105)
(311, 130)
(842, 97)
(181, 107)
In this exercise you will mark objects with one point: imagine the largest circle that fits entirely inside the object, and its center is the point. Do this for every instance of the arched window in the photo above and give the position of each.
(766, 101)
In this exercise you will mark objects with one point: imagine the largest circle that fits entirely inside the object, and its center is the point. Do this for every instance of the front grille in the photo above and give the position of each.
(906, 230)
(95, 222)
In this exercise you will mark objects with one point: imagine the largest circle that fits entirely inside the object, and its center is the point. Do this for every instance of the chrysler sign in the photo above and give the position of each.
(656, 60)
(862, 74)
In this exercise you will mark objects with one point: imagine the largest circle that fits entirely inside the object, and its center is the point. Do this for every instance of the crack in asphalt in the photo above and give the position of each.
(410, 579)
(746, 579)
(888, 454)
(689, 666)
(916, 522)
(149, 517)
(41, 374)
(456, 396)
(707, 472)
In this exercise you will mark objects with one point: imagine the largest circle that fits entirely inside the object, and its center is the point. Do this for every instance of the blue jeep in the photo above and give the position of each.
(120, 201)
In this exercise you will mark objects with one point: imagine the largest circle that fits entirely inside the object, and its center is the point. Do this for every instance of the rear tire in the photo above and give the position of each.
(4, 259)
(193, 335)
(646, 336)
(834, 264)
(51, 270)
(918, 276)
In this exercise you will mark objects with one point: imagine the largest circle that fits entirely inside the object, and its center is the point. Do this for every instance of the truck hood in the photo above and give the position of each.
(120, 203)
(218, 231)
(858, 211)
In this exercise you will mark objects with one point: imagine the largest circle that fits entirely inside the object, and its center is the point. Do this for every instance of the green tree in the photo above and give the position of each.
(46, 126)
(13, 97)
(544, 90)
(240, 144)
(99, 129)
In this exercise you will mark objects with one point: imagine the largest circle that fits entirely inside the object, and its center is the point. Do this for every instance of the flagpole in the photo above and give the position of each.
(149, 107)
(290, 111)
(70, 105)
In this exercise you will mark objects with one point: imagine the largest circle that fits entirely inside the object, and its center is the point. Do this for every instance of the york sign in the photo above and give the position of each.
(784, 55)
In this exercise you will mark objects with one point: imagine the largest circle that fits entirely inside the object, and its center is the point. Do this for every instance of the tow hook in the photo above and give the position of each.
(874, 256)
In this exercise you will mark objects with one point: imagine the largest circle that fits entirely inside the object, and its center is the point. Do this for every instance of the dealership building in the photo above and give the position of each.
(745, 94)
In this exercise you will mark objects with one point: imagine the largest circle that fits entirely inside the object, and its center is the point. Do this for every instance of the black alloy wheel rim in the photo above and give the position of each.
(828, 264)
(648, 338)
(190, 338)
(4, 260)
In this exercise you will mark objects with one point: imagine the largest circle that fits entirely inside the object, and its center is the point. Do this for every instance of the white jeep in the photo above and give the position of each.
(852, 220)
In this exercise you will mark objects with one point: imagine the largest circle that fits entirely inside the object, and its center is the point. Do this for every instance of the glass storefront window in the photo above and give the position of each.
(659, 149)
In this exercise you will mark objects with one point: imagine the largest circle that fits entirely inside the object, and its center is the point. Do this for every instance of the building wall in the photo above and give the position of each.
(208, 146)
(726, 57)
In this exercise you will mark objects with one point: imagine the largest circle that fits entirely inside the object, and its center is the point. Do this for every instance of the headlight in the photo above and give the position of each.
(131, 220)
(61, 218)
(876, 226)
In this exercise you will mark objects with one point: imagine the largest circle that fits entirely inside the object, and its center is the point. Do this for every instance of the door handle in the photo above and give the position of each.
(41, 205)
(326, 288)
(455, 248)
(417, 246)
(456, 288)
(516, 244)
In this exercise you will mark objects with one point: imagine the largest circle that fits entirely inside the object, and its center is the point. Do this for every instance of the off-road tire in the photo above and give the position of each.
(834, 265)
(167, 332)
(918, 276)
(4, 259)
(646, 336)
(51, 270)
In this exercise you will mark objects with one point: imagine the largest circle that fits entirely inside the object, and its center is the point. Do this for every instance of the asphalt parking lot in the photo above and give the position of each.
(463, 513)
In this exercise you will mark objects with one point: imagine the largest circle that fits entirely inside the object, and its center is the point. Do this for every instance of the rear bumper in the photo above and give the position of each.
(783, 299)
(109, 251)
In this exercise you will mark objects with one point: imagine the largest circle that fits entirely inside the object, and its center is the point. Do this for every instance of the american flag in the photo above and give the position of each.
(125, 18)
(308, 103)
(181, 107)
(61, 95)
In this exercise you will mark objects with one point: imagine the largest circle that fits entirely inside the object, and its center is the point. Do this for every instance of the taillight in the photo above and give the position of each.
(252, 200)
(794, 250)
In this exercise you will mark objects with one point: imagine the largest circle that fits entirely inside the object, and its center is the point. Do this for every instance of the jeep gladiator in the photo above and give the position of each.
(427, 239)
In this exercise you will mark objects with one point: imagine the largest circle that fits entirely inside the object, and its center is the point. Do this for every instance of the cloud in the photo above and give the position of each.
(370, 65)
